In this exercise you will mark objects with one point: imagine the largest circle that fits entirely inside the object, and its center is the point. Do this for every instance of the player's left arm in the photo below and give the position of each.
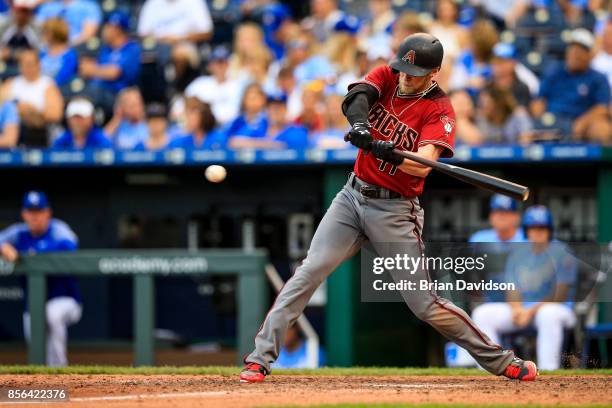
(430, 152)
(437, 139)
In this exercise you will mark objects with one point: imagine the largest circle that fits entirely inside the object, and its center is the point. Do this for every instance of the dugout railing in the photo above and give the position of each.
(142, 266)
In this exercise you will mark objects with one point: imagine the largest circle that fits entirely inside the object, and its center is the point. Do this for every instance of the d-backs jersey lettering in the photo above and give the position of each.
(409, 121)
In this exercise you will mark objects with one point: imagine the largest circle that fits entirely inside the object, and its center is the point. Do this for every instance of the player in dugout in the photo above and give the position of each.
(497, 241)
(544, 272)
(40, 233)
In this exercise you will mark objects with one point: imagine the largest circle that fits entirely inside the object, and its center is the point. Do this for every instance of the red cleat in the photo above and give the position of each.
(253, 373)
(521, 370)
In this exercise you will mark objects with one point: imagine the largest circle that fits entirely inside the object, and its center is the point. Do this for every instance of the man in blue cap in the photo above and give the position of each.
(505, 220)
(496, 242)
(280, 130)
(40, 233)
(544, 273)
(118, 63)
(574, 99)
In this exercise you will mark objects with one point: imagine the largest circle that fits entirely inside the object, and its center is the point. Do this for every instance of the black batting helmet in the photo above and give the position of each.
(418, 55)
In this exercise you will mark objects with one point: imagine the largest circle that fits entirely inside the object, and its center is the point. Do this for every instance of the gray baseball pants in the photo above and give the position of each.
(388, 224)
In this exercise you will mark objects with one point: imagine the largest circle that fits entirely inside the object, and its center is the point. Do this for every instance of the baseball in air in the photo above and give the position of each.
(215, 173)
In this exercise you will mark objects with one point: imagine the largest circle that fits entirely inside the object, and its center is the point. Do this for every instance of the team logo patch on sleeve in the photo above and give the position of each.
(447, 123)
(409, 57)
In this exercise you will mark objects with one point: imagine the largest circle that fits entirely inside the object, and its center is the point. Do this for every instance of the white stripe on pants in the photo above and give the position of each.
(61, 312)
(550, 320)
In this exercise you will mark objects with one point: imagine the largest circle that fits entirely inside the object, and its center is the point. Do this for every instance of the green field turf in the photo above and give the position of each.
(228, 371)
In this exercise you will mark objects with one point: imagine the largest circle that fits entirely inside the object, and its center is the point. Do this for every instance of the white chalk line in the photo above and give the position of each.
(151, 396)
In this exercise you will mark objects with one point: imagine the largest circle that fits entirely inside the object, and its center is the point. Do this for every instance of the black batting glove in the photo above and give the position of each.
(384, 151)
(360, 136)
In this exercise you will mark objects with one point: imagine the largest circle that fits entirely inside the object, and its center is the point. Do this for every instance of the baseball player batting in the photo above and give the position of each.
(395, 106)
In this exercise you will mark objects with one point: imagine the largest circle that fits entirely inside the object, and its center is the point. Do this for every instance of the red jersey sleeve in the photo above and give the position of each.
(439, 127)
(381, 78)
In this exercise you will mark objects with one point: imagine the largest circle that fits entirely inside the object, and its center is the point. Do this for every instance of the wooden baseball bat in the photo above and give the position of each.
(472, 177)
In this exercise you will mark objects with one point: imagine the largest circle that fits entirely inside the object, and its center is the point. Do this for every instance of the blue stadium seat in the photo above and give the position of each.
(76, 87)
(518, 341)
(90, 48)
(600, 331)
(225, 16)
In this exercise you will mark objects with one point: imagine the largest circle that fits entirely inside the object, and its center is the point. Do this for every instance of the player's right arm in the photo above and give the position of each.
(358, 101)
(356, 107)
(363, 94)
(361, 97)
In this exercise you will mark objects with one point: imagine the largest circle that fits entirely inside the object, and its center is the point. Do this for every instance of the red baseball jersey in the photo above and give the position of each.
(409, 121)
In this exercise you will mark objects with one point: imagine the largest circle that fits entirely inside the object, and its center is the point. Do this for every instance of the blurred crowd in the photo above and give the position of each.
(147, 75)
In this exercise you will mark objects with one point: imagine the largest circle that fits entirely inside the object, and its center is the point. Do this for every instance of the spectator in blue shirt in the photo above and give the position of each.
(127, 127)
(252, 121)
(157, 125)
(200, 127)
(276, 23)
(58, 60)
(37, 234)
(118, 63)
(9, 125)
(544, 274)
(281, 134)
(83, 17)
(82, 132)
(574, 99)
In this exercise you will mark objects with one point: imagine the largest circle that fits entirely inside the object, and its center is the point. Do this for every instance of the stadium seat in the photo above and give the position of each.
(90, 48)
(599, 331)
(154, 58)
(523, 342)
(74, 88)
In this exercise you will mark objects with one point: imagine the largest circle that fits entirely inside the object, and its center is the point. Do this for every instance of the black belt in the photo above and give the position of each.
(369, 190)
